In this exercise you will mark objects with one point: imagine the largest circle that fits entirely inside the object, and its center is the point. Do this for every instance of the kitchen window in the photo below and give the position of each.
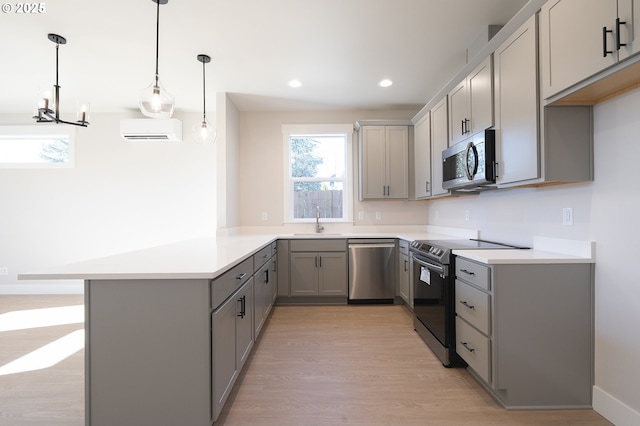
(318, 175)
(37, 147)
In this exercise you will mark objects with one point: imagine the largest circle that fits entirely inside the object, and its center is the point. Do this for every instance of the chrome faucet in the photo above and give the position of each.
(319, 228)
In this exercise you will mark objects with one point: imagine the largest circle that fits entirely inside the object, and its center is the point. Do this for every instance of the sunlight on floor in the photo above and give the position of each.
(45, 317)
(51, 353)
(47, 355)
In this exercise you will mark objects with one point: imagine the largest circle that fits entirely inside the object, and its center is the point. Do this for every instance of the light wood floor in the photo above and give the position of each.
(330, 365)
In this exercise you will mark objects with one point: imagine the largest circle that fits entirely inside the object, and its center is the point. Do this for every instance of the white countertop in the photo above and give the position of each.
(204, 258)
(545, 250)
(207, 258)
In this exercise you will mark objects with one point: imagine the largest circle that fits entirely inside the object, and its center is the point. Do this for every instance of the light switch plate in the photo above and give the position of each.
(4, 271)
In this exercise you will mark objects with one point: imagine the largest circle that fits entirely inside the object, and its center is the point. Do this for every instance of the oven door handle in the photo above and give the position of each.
(442, 270)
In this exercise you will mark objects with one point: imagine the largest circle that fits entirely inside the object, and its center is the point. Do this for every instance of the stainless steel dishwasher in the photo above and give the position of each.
(372, 270)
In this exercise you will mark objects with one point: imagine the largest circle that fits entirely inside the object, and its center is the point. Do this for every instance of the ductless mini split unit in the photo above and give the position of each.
(151, 129)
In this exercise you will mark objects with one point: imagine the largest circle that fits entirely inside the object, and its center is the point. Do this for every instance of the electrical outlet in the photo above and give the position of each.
(360, 215)
(567, 216)
(4, 270)
(378, 215)
(437, 214)
(466, 215)
(264, 216)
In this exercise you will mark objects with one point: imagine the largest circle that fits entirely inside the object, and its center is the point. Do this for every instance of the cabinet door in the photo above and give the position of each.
(273, 283)
(223, 352)
(571, 41)
(244, 323)
(480, 90)
(439, 140)
(332, 274)
(516, 97)
(404, 284)
(373, 162)
(261, 298)
(422, 157)
(458, 113)
(304, 274)
(397, 162)
(629, 13)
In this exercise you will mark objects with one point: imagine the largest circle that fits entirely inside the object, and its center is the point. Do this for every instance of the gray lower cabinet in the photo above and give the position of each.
(167, 352)
(318, 267)
(318, 274)
(231, 342)
(526, 331)
(404, 281)
(265, 291)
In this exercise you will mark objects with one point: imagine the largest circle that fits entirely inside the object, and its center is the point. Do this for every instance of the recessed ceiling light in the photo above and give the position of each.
(294, 83)
(385, 83)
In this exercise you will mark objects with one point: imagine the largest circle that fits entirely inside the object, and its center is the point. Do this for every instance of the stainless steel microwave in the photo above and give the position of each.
(470, 165)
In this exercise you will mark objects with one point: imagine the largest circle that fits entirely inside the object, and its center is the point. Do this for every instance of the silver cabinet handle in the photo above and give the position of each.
(241, 276)
(467, 272)
(467, 347)
(466, 304)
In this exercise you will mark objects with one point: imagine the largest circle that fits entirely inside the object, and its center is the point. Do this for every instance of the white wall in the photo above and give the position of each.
(121, 196)
(605, 211)
(262, 168)
(227, 142)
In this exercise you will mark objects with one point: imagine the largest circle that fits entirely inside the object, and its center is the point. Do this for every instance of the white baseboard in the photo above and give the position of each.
(614, 410)
(76, 287)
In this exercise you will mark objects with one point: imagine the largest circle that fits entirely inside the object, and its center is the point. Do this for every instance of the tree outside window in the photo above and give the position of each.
(317, 175)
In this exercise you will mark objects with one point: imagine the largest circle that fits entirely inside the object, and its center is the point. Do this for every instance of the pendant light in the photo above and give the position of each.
(154, 100)
(204, 132)
(44, 111)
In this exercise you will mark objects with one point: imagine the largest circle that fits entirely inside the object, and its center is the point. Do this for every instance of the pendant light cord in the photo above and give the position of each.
(204, 97)
(57, 48)
(157, 36)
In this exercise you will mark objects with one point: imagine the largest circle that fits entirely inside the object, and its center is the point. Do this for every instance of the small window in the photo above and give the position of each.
(36, 147)
(318, 173)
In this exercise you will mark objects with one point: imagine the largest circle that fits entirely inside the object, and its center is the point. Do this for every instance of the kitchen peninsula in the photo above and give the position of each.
(169, 328)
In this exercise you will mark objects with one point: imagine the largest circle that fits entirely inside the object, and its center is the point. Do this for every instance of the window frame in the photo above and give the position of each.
(302, 130)
(41, 131)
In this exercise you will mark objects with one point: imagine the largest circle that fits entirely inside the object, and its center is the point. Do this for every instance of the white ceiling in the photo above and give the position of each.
(339, 49)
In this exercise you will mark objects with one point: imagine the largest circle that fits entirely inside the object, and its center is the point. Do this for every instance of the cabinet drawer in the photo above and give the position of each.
(473, 273)
(403, 246)
(318, 245)
(261, 257)
(474, 306)
(224, 286)
(474, 348)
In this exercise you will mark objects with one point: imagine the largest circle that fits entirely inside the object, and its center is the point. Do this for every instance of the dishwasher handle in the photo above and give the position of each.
(373, 245)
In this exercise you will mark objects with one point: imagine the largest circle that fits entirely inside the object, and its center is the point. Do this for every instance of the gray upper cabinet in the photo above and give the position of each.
(579, 38)
(384, 162)
(535, 144)
(471, 104)
(439, 142)
(422, 158)
(516, 106)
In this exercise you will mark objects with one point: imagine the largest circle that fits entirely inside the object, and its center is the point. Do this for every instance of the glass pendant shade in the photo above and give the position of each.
(204, 132)
(155, 101)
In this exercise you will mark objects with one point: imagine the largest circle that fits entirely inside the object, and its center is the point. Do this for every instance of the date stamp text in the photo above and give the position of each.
(23, 8)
